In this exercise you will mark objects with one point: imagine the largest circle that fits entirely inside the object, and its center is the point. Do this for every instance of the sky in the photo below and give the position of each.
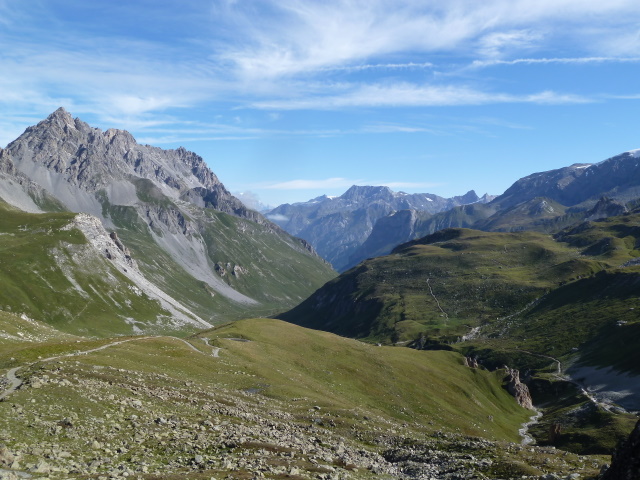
(287, 100)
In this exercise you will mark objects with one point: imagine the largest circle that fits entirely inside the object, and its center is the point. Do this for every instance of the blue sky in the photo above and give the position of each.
(291, 99)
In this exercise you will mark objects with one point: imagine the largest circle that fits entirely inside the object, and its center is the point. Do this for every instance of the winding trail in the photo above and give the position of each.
(558, 363)
(16, 382)
(190, 345)
(581, 387)
(436, 299)
(215, 351)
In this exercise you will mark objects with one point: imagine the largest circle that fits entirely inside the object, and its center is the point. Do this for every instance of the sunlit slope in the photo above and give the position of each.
(442, 285)
(594, 312)
(258, 396)
(48, 272)
(287, 361)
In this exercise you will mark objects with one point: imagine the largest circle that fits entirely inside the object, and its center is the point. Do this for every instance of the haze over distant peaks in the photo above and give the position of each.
(337, 226)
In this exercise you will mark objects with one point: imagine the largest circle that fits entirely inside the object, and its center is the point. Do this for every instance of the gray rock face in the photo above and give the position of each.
(18, 190)
(518, 389)
(617, 177)
(66, 155)
(625, 461)
(606, 207)
(394, 229)
(338, 226)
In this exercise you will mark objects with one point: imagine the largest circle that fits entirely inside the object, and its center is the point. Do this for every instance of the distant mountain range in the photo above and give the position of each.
(338, 226)
(366, 222)
(192, 248)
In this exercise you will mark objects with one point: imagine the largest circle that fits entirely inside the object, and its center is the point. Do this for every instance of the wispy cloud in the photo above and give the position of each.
(411, 95)
(380, 66)
(296, 55)
(398, 128)
(567, 61)
(630, 96)
(297, 37)
(498, 44)
(408, 185)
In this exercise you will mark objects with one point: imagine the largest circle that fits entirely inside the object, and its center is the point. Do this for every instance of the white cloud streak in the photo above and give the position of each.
(410, 95)
(380, 66)
(566, 61)
(339, 182)
(409, 185)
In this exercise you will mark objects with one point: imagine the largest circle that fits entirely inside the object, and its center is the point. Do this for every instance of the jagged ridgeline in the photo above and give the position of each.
(338, 226)
(544, 202)
(160, 244)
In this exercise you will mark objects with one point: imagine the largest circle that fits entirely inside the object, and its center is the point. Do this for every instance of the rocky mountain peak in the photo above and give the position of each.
(114, 134)
(486, 198)
(361, 192)
(606, 207)
(470, 197)
(61, 150)
(60, 115)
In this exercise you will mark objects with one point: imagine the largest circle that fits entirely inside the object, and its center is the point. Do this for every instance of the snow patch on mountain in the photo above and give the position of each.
(634, 153)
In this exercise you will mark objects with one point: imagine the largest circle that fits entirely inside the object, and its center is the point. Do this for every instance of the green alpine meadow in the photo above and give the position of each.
(152, 326)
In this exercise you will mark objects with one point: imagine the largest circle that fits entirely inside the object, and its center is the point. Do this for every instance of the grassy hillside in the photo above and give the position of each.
(275, 400)
(524, 299)
(48, 273)
(442, 285)
(337, 374)
(520, 287)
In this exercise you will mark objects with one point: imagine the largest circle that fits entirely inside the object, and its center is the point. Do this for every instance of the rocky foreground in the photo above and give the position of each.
(71, 419)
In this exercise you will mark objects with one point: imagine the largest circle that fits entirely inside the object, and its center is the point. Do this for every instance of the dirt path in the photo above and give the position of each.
(190, 345)
(558, 363)
(436, 299)
(582, 386)
(215, 351)
(16, 382)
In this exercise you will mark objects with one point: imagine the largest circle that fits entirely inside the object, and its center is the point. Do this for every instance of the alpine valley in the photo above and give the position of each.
(153, 327)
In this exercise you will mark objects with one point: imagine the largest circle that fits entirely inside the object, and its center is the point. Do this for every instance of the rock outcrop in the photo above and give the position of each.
(606, 207)
(518, 389)
(625, 461)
